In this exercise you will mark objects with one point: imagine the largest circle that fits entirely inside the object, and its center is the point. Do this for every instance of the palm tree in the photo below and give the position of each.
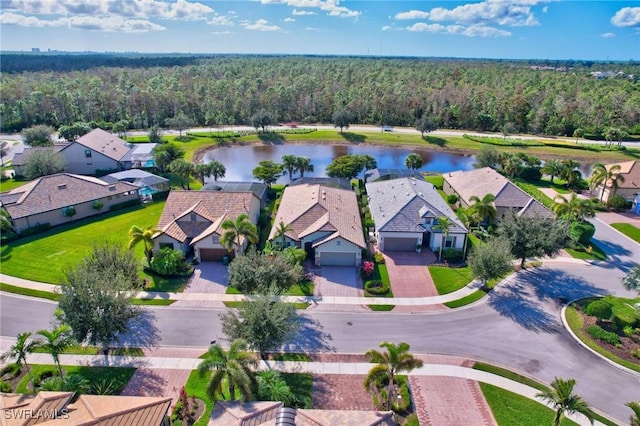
(56, 341)
(201, 171)
(235, 229)
(304, 165)
(552, 168)
(574, 209)
(235, 365)
(571, 173)
(272, 387)
(217, 170)
(290, 164)
(443, 224)
(19, 352)
(601, 175)
(483, 209)
(563, 400)
(634, 419)
(183, 169)
(137, 234)
(394, 360)
(413, 161)
(598, 177)
(511, 164)
(281, 231)
(6, 226)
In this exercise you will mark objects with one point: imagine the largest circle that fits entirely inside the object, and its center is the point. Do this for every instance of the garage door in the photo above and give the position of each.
(337, 259)
(209, 254)
(400, 244)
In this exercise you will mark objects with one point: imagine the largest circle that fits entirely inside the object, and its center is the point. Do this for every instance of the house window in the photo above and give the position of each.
(87, 153)
(166, 245)
(450, 241)
(338, 242)
(216, 239)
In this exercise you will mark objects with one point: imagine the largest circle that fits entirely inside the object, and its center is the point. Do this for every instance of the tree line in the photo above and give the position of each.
(480, 95)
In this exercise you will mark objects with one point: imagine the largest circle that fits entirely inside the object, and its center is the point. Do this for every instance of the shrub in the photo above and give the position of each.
(169, 262)
(624, 315)
(627, 330)
(10, 371)
(5, 387)
(452, 255)
(531, 174)
(36, 229)
(581, 232)
(97, 205)
(635, 353)
(601, 334)
(378, 258)
(452, 199)
(411, 420)
(403, 402)
(599, 309)
(617, 203)
(376, 287)
(367, 268)
(160, 196)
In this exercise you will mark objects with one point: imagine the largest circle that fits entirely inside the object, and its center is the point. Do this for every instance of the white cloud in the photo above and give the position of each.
(627, 17)
(607, 35)
(545, 9)
(471, 31)
(260, 25)
(221, 20)
(412, 14)
(332, 7)
(220, 32)
(422, 27)
(297, 12)
(289, 20)
(9, 18)
(312, 29)
(482, 31)
(92, 23)
(386, 28)
(489, 12)
(178, 9)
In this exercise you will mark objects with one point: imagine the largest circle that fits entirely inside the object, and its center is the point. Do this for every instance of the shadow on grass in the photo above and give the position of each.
(434, 140)
(271, 137)
(353, 137)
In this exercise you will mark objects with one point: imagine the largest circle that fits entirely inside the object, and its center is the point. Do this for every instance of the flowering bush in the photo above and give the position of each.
(367, 268)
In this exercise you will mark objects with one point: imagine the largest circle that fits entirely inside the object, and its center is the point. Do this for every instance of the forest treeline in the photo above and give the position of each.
(464, 94)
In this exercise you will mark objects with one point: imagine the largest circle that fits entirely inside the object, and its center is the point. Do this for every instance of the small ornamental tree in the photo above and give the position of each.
(367, 268)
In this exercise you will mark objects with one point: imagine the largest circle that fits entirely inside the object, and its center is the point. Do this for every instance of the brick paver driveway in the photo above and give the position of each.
(343, 281)
(208, 277)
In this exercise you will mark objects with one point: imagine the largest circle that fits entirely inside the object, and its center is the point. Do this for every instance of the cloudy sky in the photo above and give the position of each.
(513, 29)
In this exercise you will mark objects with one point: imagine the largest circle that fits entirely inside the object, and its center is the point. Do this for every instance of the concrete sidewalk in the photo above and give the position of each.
(321, 368)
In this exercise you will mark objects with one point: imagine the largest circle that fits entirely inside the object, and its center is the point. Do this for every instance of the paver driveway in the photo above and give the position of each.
(208, 277)
(342, 281)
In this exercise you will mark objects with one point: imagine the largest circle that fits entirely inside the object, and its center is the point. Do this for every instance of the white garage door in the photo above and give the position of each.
(337, 258)
(400, 244)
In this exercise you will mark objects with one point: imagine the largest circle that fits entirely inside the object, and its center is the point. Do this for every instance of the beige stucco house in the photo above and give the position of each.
(62, 198)
(193, 219)
(630, 172)
(325, 221)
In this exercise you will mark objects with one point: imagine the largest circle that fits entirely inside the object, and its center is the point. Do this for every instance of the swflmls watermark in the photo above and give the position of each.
(29, 414)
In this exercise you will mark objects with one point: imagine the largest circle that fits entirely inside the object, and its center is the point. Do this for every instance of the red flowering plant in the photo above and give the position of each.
(367, 268)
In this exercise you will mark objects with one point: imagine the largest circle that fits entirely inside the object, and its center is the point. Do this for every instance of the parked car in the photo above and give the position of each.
(387, 129)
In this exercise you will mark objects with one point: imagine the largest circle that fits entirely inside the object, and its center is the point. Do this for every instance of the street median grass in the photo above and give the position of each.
(629, 230)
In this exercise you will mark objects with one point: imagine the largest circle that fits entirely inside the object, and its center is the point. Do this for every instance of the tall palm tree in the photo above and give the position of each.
(304, 165)
(483, 209)
(290, 164)
(443, 224)
(19, 352)
(183, 169)
(217, 169)
(634, 419)
(574, 209)
(552, 168)
(55, 342)
(281, 231)
(235, 365)
(138, 234)
(6, 226)
(235, 229)
(571, 173)
(607, 177)
(413, 161)
(511, 164)
(598, 177)
(201, 171)
(563, 400)
(394, 360)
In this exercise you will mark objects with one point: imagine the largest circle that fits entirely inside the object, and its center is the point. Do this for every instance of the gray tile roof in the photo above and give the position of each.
(377, 174)
(398, 205)
(104, 143)
(260, 189)
(135, 176)
(57, 191)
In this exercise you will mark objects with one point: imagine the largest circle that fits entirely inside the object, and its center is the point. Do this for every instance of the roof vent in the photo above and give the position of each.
(62, 186)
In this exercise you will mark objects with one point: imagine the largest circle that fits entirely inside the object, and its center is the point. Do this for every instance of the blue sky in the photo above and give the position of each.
(511, 29)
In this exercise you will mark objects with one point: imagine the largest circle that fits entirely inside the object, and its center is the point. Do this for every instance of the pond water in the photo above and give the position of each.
(240, 161)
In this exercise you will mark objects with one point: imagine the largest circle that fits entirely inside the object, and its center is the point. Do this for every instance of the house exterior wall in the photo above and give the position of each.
(436, 241)
(76, 161)
(313, 237)
(164, 238)
(380, 236)
(338, 245)
(55, 217)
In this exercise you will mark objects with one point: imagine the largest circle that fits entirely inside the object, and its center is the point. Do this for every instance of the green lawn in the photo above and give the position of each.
(94, 350)
(510, 409)
(473, 297)
(43, 257)
(595, 253)
(435, 180)
(119, 375)
(9, 184)
(629, 230)
(448, 280)
(303, 288)
(509, 375)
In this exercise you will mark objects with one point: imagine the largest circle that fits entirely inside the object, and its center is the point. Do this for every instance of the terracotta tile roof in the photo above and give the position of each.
(234, 413)
(44, 403)
(630, 170)
(310, 208)
(57, 191)
(212, 206)
(105, 143)
(343, 418)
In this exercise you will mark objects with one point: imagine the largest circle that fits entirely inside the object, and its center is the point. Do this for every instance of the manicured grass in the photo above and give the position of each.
(509, 375)
(94, 350)
(473, 297)
(29, 292)
(119, 375)
(381, 274)
(152, 302)
(43, 257)
(558, 185)
(435, 180)
(381, 308)
(448, 280)
(9, 184)
(629, 230)
(574, 320)
(510, 409)
(595, 253)
(291, 357)
(300, 305)
(303, 288)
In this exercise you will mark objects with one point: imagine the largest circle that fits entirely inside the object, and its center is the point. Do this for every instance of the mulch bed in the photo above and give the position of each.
(627, 344)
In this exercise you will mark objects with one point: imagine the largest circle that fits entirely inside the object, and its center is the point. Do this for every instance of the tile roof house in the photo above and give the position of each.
(56, 409)
(374, 175)
(62, 198)
(193, 219)
(480, 182)
(98, 152)
(405, 212)
(147, 183)
(20, 158)
(630, 171)
(325, 221)
(258, 188)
